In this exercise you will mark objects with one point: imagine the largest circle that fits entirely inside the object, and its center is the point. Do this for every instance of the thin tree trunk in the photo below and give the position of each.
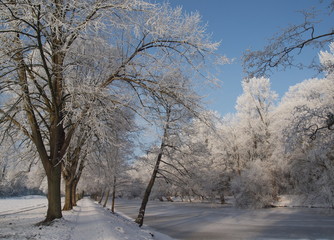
(113, 196)
(75, 183)
(107, 197)
(140, 217)
(222, 199)
(102, 196)
(141, 214)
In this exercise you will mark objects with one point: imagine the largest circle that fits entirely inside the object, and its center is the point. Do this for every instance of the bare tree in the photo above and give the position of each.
(281, 50)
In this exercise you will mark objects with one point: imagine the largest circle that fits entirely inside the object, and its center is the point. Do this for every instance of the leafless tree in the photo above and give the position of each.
(281, 50)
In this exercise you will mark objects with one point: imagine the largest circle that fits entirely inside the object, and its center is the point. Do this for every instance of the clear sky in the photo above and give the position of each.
(248, 24)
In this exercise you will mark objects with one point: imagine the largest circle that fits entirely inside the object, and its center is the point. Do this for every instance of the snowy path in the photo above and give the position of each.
(89, 223)
(93, 223)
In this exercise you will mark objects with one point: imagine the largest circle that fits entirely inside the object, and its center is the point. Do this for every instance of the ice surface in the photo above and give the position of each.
(197, 221)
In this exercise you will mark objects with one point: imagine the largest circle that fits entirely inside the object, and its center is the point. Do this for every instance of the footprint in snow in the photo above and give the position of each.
(120, 229)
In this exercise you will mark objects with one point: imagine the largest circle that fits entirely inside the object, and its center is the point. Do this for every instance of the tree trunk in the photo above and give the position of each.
(75, 183)
(74, 192)
(140, 218)
(68, 195)
(107, 197)
(54, 196)
(222, 199)
(169, 199)
(102, 196)
(113, 196)
(50, 162)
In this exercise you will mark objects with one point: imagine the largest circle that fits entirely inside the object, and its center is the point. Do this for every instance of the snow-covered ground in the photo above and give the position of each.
(18, 218)
(89, 220)
(13, 205)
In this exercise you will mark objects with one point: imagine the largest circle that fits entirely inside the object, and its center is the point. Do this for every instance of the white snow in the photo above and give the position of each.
(89, 220)
(8, 205)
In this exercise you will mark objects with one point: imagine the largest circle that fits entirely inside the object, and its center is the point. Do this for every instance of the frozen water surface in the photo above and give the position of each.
(214, 221)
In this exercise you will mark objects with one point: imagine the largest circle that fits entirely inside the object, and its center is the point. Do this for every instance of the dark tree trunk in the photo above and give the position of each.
(74, 192)
(140, 218)
(69, 171)
(76, 181)
(50, 162)
(54, 196)
(107, 197)
(68, 205)
(141, 214)
(169, 199)
(222, 199)
(113, 196)
(102, 196)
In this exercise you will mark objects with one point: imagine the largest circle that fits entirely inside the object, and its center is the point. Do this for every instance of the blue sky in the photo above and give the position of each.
(248, 24)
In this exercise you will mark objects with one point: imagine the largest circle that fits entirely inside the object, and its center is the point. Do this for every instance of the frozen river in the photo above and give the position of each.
(213, 221)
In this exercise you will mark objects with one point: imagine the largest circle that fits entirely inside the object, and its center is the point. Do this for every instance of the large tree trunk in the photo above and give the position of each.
(54, 196)
(50, 162)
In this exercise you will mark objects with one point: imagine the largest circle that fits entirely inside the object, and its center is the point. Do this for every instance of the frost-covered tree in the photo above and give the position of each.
(45, 60)
(206, 171)
(307, 138)
(193, 164)
(102, 122)
(232, 151)
(254, 188)
(73, 165)
(254, 109)
(104, 165)
(169, 115)
(20, 170)
(327, 59)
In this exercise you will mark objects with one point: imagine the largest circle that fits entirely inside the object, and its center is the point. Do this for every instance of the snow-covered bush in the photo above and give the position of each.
(314, 177)
(254, 187)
